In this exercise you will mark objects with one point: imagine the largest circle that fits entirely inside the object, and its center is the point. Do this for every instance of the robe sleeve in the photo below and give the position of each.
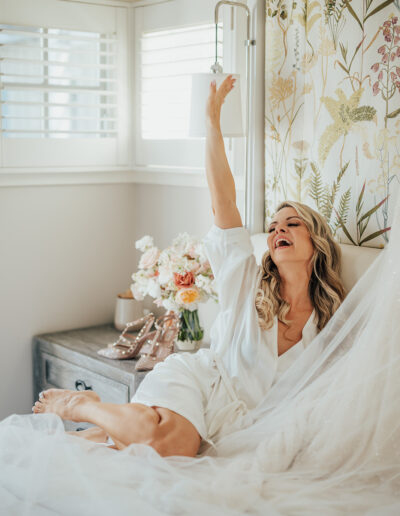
(230, 253)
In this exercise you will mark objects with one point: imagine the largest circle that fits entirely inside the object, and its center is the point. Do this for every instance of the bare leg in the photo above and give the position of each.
(167, 432)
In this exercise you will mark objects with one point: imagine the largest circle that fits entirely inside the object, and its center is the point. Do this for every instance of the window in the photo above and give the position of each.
(57, 83)
(63, 92)
(168, 58)
(173, 40)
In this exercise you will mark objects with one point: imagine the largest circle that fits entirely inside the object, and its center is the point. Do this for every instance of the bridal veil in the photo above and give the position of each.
(325, 440)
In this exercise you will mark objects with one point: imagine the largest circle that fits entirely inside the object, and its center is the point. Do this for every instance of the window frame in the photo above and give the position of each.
(132, 171)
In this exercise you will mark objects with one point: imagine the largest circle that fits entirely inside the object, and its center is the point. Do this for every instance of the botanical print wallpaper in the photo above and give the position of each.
(332, 117)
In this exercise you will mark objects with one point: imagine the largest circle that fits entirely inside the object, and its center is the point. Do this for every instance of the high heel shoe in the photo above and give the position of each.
(128, 346)
(167, 328)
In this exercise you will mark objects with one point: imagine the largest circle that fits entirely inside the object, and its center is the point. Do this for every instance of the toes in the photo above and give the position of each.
(37, 408)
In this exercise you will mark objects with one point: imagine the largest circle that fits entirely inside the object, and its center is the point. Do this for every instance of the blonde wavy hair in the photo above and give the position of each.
(325, 288)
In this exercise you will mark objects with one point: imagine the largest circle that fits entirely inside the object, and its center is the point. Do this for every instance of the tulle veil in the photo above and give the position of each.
(325, 440)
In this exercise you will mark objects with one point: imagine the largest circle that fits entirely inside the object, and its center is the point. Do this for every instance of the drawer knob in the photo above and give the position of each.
(80, 385)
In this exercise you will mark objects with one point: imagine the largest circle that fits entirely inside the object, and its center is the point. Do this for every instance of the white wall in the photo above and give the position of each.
(66, 251)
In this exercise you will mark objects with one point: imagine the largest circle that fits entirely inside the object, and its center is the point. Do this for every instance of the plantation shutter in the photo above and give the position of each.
(172, 43)
(61, 92)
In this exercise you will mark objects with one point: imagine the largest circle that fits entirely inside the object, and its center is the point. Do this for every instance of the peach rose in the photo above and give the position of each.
(187, 296)
(149, 258)
(184, 280)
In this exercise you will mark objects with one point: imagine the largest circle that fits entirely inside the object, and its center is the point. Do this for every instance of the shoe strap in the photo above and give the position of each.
(149, 318)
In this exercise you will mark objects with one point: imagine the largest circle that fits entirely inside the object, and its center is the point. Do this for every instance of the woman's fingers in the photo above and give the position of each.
(217, 97)
(226, 87)
(213, 87)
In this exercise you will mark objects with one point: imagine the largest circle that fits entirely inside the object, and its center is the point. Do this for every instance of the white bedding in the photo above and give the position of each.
(325, 440)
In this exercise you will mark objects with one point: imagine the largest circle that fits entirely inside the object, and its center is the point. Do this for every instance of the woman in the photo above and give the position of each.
(308, 427)
(265, 322)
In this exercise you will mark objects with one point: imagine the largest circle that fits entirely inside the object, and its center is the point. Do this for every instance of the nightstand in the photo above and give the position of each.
(69, 360)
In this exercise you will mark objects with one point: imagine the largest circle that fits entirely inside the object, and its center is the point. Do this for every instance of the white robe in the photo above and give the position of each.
(215, 388)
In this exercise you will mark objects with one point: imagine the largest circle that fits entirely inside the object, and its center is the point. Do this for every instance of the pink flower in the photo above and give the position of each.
(398, 85)
(205, 266)
(381, 50)
(393, 76)
(375, 67)
(184, 280)
(375, 88)
(385, 58)
(380, 76)
(392, 56)
(387, 23)
(398, 52)
(388, 38)
(394, 20)
(396, 39)
(191, 253)
(194, 267)
(398, 70)
(149, 258)
(397, 29)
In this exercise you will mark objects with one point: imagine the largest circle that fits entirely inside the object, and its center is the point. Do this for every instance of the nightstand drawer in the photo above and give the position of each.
(65, 375)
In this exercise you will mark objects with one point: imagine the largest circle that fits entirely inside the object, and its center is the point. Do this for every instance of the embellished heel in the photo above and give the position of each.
(128, 346)
(167, 328)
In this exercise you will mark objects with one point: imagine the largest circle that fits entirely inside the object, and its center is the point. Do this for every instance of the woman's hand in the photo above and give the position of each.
(215, 100)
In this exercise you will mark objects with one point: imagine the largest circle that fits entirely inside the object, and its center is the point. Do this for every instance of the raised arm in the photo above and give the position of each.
(219, 176)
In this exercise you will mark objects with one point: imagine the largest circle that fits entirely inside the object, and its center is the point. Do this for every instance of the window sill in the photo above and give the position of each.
(145, 175)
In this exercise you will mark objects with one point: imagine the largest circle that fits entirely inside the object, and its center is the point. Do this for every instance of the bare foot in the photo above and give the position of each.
(64, 403)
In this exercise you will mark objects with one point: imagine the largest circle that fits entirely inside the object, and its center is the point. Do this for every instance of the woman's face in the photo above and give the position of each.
(289, 239)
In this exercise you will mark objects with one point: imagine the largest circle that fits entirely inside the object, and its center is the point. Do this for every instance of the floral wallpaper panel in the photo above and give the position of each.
(333, 112)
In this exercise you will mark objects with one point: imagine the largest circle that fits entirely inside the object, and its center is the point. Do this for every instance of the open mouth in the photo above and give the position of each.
(281, 243)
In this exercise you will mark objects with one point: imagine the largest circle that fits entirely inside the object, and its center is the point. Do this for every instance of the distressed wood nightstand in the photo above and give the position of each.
(69, 360)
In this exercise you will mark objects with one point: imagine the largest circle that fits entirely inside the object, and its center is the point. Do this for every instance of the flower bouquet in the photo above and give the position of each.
(179, 278)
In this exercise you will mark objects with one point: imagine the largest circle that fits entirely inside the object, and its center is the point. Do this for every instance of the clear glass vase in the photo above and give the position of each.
(190, 333)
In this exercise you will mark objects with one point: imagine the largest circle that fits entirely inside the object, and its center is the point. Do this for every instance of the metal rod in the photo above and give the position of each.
(217, 68)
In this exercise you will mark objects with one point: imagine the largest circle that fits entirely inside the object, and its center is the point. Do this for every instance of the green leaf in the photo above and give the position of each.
(393, 114)
(374, 235)
(342, 171)
(377, 9)
(316, 185)
(342, 225)
(373, 210)
(355, 52)
(343, 67)
(343, 51)
(351, 11)
(344, 207)
(362, 114)
(361, 228)
(360, 198)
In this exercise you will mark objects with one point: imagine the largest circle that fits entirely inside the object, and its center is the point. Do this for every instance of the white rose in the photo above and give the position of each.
(136, 292)
(204, 283)
(144, 243)
(169, 304)
(149, 258)
(165, 275)
(153, 288)
(200, 251)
